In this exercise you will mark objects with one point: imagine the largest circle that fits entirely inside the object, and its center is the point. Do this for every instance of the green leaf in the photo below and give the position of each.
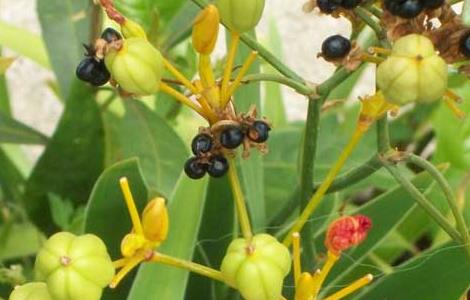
(386, 211)
(142, 133)
(15, 132)
(19, 240)
(156, 281)
(180, 26)
(251, 170)
(437, 274)
(11, 180)
(466, 13)
(141, 11)
(106, 214)
(64, 36)
(25, 43)
(72, 160)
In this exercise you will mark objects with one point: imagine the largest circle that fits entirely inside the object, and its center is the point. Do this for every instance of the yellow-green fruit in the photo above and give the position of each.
(414, 72)
(74, 267)
(30, 291)
(258, 270)
(137, 67)
(240, 15)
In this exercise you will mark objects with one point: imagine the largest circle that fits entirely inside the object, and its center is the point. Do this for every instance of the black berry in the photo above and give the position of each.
(406, 9)
(93, 71)
(328, 6)
(335, 47)
(433, 4)
(202, 143)
(218, 166)
(350, 4)
(259, 132)
(194, 169)
(231, 137)
(465, 45)
(110, 35)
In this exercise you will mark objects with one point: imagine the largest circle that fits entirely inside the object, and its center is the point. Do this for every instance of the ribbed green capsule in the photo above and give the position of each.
(31, 291)
(414, 72)
(137, 67)
(240, 15)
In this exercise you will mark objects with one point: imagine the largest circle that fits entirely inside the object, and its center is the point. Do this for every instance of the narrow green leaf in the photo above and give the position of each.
(106, 214)
(156, 281)
(19, 240)
(180, 26)
(143, 134)
(466, 13)
(15, 132)
(11, 180)
(25, 43)
(72, 160)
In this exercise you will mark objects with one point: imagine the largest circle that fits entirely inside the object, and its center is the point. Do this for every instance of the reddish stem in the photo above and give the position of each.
(112, 12)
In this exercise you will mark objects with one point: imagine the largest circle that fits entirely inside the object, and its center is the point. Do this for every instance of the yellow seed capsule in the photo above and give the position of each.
(131, 243)
(155, 220)
(131, 29)
(414, 72)
(240, 15)
(137, 66)
(257, 268)
(206, 30)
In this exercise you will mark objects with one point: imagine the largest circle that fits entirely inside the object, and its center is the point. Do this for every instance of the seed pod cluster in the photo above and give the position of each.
(92, 68)
(210, 146)
(409, 9)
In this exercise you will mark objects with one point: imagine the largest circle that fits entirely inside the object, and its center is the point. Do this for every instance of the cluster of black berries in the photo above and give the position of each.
(209, 151)
(328, 6)
(335, 47)
(92, 68)
(409, 9)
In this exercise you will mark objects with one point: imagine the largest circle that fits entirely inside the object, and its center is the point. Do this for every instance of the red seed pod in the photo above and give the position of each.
(347, 232)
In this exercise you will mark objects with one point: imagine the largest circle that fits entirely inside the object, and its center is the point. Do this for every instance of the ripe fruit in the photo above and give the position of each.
(465, 45)
(194, 169)
(74, 267)
(240, 15)
(202, 143)
(257, 268)
(259, 132)
(335, 47)
(137, 67)
(406, 9)
(110, 35)
(414, 72)
(328, 6)
(433, 4)
(350, 4)
(218, 166)
(31, 291)
(231, 137)
(92, 71)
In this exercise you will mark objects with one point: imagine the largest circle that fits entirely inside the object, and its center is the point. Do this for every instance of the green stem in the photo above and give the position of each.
(338, 77)
(423, 202)
(449, 194)
(383, 137)
(296, 85)
(262, 51)
(308, 154)
(365, 16)
(377, 12)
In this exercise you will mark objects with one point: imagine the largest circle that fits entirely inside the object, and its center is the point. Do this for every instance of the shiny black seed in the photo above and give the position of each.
(259, 132)
(433, 4)
(93, 71)
(231, 137)
(335, 47)
(110, 35)
(393, 6)
(328, 6)
(202, 143)
(194, 169)
(406, 9)
(465, 45)
(218, 166)
(350, 4)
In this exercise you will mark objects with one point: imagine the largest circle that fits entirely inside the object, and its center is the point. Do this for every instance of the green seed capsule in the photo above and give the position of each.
(31, 291)
(137, 67)
(240, 15)
(74, 267)
(414, 72)
(258, 270)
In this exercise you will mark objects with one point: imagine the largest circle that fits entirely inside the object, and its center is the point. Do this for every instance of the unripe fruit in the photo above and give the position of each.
(131, 29)
(258, 269)
(413, 72)
(31, 291)
(206, 30)
(137, 67)
(74, 267)
(155, 220)
(240, 15)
